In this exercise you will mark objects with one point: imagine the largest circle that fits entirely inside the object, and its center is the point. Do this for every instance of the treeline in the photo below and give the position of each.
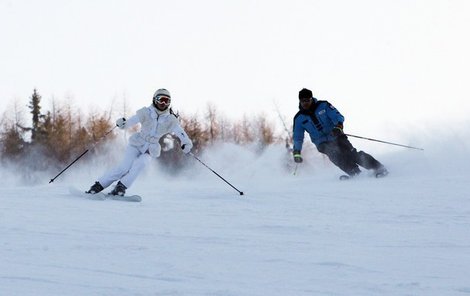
(56, 137)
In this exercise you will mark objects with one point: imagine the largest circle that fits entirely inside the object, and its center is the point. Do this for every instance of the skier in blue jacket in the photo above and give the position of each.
(325, 126)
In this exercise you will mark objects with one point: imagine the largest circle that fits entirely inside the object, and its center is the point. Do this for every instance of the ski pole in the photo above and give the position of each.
(241, 192)
(84, 152)
(295, 169)
(384, 142)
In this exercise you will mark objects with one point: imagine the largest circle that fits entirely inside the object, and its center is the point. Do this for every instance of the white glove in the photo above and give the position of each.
(121, 123)
(187, 147)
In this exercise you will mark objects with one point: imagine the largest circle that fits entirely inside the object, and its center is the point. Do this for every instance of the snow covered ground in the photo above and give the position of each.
(308, 234)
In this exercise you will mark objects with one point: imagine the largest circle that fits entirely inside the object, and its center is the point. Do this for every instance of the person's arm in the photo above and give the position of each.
(334, 115)
(337, 120)
(124, 123)
(186, 143)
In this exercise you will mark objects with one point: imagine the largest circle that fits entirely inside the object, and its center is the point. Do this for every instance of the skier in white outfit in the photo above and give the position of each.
(156, 121)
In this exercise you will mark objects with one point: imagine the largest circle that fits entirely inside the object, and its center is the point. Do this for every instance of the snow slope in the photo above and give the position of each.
(308, 234)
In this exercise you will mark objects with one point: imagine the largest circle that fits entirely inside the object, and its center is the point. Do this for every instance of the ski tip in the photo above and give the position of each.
(381, 175)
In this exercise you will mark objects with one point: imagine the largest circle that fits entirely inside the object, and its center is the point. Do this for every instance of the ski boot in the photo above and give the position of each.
(95, 188)
(381, 172)
(119, 189)
(353, 173)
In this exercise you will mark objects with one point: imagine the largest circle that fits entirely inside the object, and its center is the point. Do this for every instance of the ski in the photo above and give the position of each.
(378, 175)
(103, 196)
(132, 198)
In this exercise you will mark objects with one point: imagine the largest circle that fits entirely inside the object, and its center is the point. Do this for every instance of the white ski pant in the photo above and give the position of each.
(127, 171)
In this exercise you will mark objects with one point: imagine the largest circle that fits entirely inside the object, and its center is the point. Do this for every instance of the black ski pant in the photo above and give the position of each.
(342, 153)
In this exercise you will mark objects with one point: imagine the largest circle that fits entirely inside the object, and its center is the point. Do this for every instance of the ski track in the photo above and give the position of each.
(308, 234)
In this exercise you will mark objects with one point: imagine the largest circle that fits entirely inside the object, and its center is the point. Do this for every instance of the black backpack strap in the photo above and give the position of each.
(315, 120)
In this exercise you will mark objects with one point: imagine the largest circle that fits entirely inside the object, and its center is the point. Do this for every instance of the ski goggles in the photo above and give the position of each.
(162, 100)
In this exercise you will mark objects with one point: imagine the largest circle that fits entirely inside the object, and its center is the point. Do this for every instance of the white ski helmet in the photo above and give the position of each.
(162, 99)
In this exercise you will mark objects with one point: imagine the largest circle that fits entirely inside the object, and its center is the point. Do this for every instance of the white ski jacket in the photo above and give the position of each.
(154, 125)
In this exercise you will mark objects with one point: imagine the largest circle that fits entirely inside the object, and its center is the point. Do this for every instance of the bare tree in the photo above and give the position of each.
(265, 130)
(98, 125)
(12, 135)
(213, 128)
(244, 131)
(194, 128)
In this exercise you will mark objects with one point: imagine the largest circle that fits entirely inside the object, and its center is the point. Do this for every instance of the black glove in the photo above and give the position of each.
(297, 157)
(337, 130)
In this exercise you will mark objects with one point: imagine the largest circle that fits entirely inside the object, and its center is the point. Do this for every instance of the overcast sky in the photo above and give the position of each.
(392, 63)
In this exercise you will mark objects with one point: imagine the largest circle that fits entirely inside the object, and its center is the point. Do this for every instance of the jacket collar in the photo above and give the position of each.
(156, 113)
(312, 108)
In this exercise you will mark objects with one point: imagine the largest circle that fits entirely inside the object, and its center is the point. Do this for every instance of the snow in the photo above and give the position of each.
(308, 234)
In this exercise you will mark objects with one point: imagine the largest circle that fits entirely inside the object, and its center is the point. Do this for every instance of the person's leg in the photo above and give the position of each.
(367, 161)
(119, 171)
(362, 158)
(137, 167)
(340, 156)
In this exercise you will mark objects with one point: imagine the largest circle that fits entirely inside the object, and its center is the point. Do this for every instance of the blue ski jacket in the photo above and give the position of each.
(319, 121)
